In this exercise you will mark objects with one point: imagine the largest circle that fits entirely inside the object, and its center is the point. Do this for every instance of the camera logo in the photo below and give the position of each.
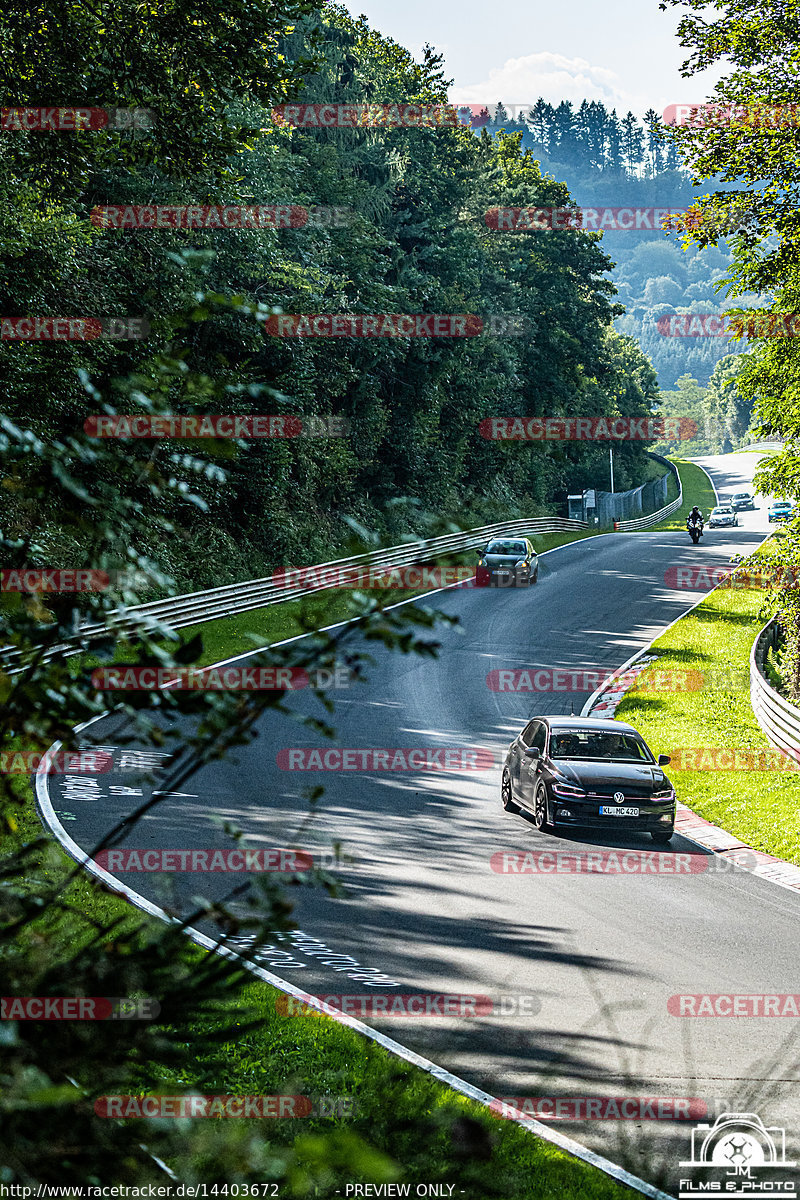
(740, 1143)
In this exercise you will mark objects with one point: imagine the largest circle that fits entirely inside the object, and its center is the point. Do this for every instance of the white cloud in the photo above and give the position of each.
(555, 78)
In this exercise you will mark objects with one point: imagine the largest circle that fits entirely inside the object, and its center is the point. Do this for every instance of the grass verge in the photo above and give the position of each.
(760, 807)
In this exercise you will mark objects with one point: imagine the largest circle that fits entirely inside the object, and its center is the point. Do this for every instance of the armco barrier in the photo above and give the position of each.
(778, 717)
(177, 612)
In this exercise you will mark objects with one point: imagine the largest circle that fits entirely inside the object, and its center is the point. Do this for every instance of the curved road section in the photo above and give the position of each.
(574, 973)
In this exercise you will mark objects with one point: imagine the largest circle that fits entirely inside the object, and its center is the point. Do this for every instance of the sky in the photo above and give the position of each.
(623, 52)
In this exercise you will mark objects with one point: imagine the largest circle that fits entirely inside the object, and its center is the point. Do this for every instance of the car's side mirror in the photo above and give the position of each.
(664, 760)
(480, 553)
(533, 752)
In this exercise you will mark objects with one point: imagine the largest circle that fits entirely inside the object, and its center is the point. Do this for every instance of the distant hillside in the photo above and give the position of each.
(608, 162)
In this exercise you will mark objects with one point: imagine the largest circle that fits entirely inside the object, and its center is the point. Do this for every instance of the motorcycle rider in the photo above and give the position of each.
(695, 516)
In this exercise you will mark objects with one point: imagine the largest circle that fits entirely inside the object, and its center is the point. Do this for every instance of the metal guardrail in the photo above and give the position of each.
(777, 716)
(656, 517)
(766, 444)
(178, 612)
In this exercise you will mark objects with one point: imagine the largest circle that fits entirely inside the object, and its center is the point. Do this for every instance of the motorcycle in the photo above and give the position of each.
(695, 530)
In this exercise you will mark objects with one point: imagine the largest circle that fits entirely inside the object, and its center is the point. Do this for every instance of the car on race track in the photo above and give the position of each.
(742, 501)
(723, 514)
(587, 772)
(507, 562)
(780, 510)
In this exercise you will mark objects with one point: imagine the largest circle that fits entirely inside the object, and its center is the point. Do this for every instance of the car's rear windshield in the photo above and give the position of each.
(595, 743)
(507, 548)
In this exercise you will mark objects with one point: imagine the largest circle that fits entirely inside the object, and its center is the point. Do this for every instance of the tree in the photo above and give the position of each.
(655, 149)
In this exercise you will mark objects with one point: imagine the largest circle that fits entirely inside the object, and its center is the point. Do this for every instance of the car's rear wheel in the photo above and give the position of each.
(661, 836)
(507, 794)
(540, 808)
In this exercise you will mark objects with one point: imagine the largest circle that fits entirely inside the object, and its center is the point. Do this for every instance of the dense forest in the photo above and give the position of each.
(409, 236)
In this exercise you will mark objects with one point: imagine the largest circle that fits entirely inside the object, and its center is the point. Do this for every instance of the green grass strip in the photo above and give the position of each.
(762, 808)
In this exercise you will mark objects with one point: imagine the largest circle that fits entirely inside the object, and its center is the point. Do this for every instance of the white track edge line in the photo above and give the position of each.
(583, 1153)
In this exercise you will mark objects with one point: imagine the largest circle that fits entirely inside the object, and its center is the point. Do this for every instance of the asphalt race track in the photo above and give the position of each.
(597, 955)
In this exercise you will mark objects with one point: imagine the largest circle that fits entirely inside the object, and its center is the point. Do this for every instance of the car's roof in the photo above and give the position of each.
(781, 504)
(721, 507)
(736, 495)
(598, 723)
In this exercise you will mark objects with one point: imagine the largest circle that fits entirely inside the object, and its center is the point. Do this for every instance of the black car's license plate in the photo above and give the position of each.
(614, 810)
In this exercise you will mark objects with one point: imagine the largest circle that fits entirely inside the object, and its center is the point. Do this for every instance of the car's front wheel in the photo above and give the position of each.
(661, 836)
(535, 578)
(507, 793)
(540, 808)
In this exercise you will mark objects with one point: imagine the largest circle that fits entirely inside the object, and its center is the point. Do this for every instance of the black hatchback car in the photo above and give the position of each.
(591, 773)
